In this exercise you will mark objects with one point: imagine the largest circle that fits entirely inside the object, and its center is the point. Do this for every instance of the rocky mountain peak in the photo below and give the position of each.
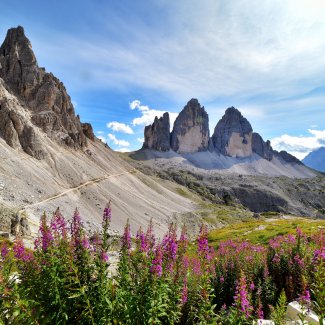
(156, 135)
(191, 129)
(233, 134)
(39, 92)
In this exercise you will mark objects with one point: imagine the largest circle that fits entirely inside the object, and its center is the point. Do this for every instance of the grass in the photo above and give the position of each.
(261, 231)
(224, 214)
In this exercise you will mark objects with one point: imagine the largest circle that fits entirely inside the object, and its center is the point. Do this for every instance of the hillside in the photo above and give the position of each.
(50, 159)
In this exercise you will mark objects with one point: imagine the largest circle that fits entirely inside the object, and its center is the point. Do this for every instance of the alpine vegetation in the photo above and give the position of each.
(66, 279)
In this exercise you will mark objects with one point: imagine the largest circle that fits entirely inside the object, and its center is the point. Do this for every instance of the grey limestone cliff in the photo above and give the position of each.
(39, 92)
(191, 129)
(262, 148)
(156, 135)
(233, 135)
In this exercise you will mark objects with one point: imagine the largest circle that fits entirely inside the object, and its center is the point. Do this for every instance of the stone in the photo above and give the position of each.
(233, 135)
(262, 148)
(39, 92)
(156, 135)
(191, 129)
(294, 309)
(4, 235)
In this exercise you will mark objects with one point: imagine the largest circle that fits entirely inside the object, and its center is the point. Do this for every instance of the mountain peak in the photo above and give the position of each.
(39, 92)
(191, 129)
(17, 45)
(233, 134)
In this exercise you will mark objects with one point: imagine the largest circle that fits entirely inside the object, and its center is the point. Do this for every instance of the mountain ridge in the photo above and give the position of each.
(233, 135)
(316, 159)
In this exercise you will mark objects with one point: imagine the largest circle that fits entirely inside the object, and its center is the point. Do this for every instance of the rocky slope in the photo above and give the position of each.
(316, 159)
(48, 158)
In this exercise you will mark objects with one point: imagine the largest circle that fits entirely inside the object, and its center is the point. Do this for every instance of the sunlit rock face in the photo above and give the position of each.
(191, 129)
(233, 135)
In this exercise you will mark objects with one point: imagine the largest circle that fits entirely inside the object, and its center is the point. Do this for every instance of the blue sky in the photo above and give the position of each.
(123, 62)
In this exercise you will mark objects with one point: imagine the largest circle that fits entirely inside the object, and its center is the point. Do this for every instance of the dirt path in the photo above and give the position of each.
(96, 180)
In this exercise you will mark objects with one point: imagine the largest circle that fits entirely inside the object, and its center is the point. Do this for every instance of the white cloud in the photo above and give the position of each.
(123, 150)
(148, 114)
(100, 132)
(120, 127)
(219, 48)
(118, 142)
(137, 104)
(141, 140)
(299, 146)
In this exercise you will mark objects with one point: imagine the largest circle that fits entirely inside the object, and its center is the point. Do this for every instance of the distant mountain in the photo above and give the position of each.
(316, 159)
(233, 146)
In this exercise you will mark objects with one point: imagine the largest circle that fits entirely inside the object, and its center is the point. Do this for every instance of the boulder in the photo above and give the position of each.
(156, 135)
(191, 129)
(233, 135)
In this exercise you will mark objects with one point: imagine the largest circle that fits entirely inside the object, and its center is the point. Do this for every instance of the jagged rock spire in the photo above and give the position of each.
(40, 92)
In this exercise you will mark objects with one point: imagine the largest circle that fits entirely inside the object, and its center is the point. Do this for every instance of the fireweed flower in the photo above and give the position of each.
(107, 215)
(104, 257)
(45, 238)
(184, 292)
(156, 267)
(85, 243)
(58, 224)
(20, 252)
(4, 250)
(126, 239)
(203, 245)
(242, 297)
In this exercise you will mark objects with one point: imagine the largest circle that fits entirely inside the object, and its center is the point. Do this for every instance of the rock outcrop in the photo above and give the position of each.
(262, 148)
(88, 131)
(38, 91)
(156, 135)
(191, 129)
(233, 135)
(16, 128)
(287, 157)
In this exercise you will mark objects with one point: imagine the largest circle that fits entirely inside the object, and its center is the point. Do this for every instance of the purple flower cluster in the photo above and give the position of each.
(4, 251)
(21, 253)
(107, 215)
(157, 267)
(242, 297)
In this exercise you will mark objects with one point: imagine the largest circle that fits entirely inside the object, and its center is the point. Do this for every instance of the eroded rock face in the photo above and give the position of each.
(233, 135)
(156, 135)
(262, 148)
(16, 128)
(191, 129)
(40, 92)
(287, 157)
(88, 131)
